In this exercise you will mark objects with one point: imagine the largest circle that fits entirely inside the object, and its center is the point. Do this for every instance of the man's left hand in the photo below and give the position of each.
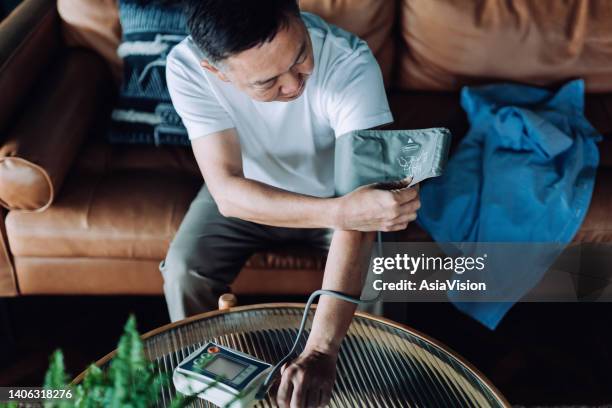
(308, 380)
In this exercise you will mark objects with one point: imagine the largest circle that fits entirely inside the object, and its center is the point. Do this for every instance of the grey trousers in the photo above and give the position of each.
(209, 250)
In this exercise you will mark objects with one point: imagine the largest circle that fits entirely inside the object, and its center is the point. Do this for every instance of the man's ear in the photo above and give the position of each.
(207, 65)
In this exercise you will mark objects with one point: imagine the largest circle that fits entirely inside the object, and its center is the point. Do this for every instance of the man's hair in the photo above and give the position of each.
(221, 28)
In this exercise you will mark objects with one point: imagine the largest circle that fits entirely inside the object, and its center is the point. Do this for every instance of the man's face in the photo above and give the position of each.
(273, 71)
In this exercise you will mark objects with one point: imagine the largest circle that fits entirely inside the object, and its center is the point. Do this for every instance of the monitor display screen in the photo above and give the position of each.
(224, 367)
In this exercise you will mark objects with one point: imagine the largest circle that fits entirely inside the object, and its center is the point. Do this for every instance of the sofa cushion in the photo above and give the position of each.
(371, 20)
(121, 214)
(450, 43)
(88, 276)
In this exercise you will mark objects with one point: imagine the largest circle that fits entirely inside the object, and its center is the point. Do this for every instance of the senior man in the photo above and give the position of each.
(263, 91)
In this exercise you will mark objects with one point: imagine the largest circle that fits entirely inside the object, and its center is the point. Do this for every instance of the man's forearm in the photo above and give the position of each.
(257, 202)
(345, 271)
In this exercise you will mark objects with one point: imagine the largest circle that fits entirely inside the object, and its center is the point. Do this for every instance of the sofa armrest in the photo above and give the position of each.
(8, 281)
(71, 101)
(29, 38)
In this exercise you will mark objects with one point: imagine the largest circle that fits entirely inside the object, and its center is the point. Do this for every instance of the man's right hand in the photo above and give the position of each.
(378, 207)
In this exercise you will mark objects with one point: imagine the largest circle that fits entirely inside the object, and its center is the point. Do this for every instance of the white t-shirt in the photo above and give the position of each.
(289, 145)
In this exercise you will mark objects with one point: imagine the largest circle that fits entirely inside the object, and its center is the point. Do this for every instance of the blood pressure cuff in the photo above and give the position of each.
(371, 156)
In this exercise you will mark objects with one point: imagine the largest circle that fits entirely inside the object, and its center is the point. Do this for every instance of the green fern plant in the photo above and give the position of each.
(131, 381)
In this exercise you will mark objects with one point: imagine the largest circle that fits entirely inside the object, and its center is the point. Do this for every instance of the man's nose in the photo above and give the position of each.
(290, 83)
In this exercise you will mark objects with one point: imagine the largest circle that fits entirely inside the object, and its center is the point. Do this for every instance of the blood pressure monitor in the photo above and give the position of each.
(231, 379)
(225, 377)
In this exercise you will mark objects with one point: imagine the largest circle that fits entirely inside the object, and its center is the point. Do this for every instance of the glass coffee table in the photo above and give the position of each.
(381, 363)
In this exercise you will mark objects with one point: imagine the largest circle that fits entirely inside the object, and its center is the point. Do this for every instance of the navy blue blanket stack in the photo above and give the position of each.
(144, 113)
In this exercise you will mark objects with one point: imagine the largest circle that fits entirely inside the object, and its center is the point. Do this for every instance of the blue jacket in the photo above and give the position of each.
(524, 172)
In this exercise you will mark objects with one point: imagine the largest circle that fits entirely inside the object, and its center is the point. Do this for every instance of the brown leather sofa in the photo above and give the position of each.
(81, 216)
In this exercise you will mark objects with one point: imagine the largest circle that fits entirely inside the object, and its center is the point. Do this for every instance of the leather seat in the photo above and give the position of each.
(115, 215)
